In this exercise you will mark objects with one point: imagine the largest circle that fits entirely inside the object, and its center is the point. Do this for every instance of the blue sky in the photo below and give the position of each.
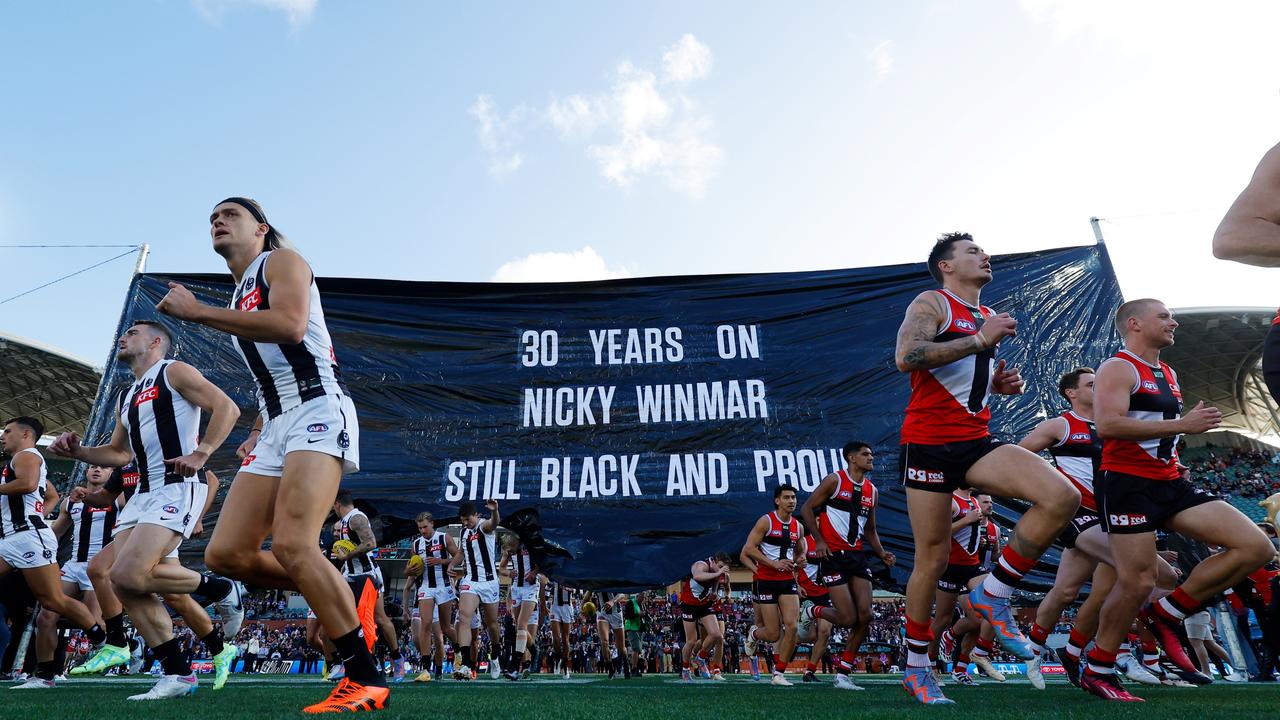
(468, 142)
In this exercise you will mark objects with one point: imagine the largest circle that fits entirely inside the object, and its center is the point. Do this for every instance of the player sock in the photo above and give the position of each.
(354, 654)
(171, 658)
(1177, 606)
(211, 588)
(811, 666)
(1038, 635)
(47, 669)
(1076, 643)
(213, 642)
(918, 637)
(1101, 662)
(984, 646)
(845, 666)
(778, 665)
(1150, 655)
(1006, 575)
(96, 634)
(115, 630)
(395, 654)
(522, 641)
(962, 660)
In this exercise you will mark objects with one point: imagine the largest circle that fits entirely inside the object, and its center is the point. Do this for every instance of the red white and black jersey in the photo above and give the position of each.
(808, 577)
(779, 542)
(436, 546)
(1155, 396)
(693, 592)
(160, 424)
(90, 528)
(287, 374)
(479, 553)
(521, 566)
(989, 534)
(949, 403)
(22, 511)
(965, 541)
(844, 515)
(1079, 456)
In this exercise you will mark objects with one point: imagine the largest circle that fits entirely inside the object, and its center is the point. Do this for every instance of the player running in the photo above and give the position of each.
(1144, 488)
(948, 342)
(353, 526)
(697, 610)
(305, 439)
(434, 549)
(776, 547)
(526, 592)
(841, 517)
(560, 602)
(478, 587)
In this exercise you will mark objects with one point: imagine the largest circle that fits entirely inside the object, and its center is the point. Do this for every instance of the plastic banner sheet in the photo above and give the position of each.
(630, 427)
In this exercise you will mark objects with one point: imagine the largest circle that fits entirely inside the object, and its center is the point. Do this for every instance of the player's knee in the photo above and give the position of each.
(99, 572)
(1256, 552)
(1062, 500)
(1138, 583)
(47, 620)
(129, 579)
(226, 561)
(292, 552)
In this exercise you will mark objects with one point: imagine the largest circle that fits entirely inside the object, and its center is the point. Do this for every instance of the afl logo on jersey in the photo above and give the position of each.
(170, 509)
(1080, 437)
(1150, 386)
(966, 325)
(318, 427)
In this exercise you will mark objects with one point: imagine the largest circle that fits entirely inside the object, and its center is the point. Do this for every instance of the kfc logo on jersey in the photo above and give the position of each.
(146, 396)
(251, 301)
(1127, 520)
(967, 325)
(924, 476)
(248, 459)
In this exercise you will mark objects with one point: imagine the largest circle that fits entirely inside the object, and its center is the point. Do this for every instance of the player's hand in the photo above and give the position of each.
(77, 494)
(785, 566)
(198, 530)
(246, 447)
(972, 517)
(996, 328)
(340, 554)
(889, 558)
(189, 464)
(1202, 418)
(179, 303)
(65, 445)
(492, 505)
(408, 617)
(1007, 381)
(435, 561)
(820, 547)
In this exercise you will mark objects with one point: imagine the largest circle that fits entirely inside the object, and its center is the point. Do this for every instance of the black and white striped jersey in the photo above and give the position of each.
(433, 576)
(354, 564)
(160, 424)
(521, 566)
(22, 511)
(479, 553)
(90, 529)
(287, 374)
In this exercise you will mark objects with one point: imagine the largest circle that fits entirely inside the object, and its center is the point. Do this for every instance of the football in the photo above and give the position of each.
(344, 545)
(416, 566)
(588, 609)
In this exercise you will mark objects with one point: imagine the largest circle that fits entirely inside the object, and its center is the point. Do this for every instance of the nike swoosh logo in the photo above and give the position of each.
(313, 440)
(167, 518)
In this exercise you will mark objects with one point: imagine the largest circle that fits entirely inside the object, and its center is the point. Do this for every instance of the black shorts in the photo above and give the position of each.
(942, 468)
(955, 579)
(694, 613)
(1271, 361)
(1132, 504)
(766, 592)
(823, 600)
(843, 567)
(1083, 520)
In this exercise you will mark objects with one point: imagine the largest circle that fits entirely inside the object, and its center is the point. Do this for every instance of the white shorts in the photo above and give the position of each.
(562, 613)
(488, 590)
(326, 424)
(528, 593)
(439, 595)
(175, 507)
(475, 620)
(1197, 625)
(78, 573)
(614, 620)
(27, 549)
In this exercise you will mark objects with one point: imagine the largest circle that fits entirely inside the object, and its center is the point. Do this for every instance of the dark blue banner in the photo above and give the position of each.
(643, 424)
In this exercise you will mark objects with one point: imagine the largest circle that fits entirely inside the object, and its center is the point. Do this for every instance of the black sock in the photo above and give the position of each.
(213, 641)
(115, 630)
(47, 669)
(355, 656)
(169, 653)
(97, 635)
(211, 588)
(465, 651)
(395, 655)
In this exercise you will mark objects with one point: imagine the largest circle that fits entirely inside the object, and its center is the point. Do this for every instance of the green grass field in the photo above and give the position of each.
(651, 697)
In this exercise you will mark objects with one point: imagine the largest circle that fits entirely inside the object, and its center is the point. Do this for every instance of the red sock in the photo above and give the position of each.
(848, 656)
(1177, 605)
(810, 667)
(778, 665)
(1039, 635)
(1150, 654)
(704, 654)
(962, 660)
(918, 636)
(986, 645)
(1101, 662)
(715, 668)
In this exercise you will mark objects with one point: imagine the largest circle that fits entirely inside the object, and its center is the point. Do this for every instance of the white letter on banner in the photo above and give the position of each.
(597, 342)
(629, 485)
(725, 345)
(718, 473)
(550, 478)
(675, 477)
(453, 491)
(532, 407)
(675, 351)
(587, 482)
(764, 467)
(810, 473)
(564, 413)
(606, 402)
(755, 398)
(608, 475)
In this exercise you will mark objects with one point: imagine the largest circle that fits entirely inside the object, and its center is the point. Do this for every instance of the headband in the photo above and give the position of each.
(242, 202)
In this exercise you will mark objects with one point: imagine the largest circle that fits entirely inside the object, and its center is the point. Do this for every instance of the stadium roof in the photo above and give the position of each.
(46, 383)
(1218, 357)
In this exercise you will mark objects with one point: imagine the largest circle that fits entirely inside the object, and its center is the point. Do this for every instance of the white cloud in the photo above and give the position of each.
(497, 135)
(584, 264)
(576, 116)
(299, 11)
(881, 58)
(687, 60)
